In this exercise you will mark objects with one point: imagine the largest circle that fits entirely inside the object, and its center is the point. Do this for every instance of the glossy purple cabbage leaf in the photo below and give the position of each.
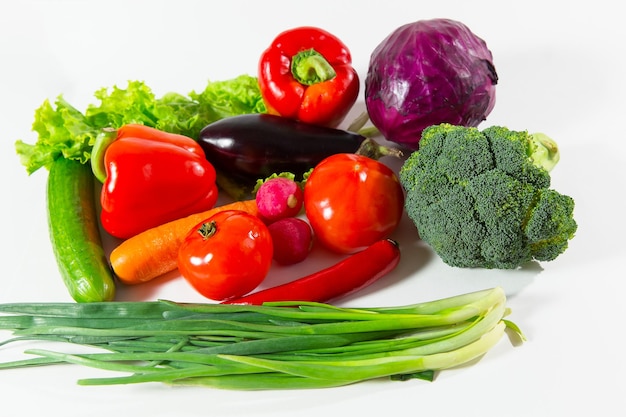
(425, 73)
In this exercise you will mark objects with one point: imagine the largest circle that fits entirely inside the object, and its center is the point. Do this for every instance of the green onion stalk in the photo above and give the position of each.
(282, 345)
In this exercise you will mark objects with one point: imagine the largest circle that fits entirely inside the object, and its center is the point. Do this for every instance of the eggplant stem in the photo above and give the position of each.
(372, 149)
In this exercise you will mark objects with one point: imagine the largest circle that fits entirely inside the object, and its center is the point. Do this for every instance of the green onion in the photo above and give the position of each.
(285, 345)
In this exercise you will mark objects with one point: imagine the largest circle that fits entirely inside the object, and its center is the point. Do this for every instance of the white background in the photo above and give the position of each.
(561, 67)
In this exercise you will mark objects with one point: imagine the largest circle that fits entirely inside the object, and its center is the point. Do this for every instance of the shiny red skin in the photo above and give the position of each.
(153, 177)
(231, 261)
(346, 277)
(352, 201)
(324, 103)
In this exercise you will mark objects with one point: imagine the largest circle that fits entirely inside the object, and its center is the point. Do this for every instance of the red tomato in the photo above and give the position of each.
(227, 255)
(352, 201)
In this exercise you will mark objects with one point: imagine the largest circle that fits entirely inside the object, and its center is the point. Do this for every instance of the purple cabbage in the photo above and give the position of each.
(426, 73)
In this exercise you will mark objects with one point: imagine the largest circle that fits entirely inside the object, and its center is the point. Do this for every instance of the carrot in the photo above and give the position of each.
(154, 252)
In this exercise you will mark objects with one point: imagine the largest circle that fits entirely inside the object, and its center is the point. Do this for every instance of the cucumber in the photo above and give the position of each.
(74, 232)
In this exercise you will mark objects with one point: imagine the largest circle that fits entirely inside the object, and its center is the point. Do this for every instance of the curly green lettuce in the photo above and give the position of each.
(63, 130)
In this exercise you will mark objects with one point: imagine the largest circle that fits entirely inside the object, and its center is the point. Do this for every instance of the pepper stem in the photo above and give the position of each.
(102, 142)
(310, 67)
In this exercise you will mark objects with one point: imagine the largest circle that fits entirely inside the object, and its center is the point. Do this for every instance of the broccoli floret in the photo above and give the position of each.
(550, 225)
(482, 198)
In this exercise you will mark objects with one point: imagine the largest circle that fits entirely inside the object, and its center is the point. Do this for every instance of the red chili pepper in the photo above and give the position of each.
(345, 277)
(306, 74)
(153, 177)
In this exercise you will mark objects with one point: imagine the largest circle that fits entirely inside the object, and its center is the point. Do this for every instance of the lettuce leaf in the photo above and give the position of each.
(63, 130)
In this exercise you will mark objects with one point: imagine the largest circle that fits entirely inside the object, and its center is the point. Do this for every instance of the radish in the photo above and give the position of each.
(292, 238)
(278, 198)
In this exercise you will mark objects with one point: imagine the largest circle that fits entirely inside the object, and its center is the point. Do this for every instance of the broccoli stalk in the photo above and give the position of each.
(483, 198)
(545, 152)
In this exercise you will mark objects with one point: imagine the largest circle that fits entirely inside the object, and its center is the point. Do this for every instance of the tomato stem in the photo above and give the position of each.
(207, 229)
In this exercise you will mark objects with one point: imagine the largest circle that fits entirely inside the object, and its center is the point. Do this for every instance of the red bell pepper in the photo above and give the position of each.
(306, 74)
(153, 177)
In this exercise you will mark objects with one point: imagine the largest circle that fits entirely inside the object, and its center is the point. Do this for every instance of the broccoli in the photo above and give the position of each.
(482, 198)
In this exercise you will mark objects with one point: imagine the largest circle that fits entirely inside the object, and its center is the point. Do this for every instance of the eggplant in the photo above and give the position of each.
(250, 147)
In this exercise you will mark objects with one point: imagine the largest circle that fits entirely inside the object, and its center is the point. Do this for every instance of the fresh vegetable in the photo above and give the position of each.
(279, 198)
(154, 252)
(292, 238)
(74, 232)
(226, 255)
(105, 138)
(277, 346)
(544, 151)
(153, 177)
(250, 147)
(64, 130)
(306, 74)
(429, 72)
(482, 198)
(347, 276)
(352, 201)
